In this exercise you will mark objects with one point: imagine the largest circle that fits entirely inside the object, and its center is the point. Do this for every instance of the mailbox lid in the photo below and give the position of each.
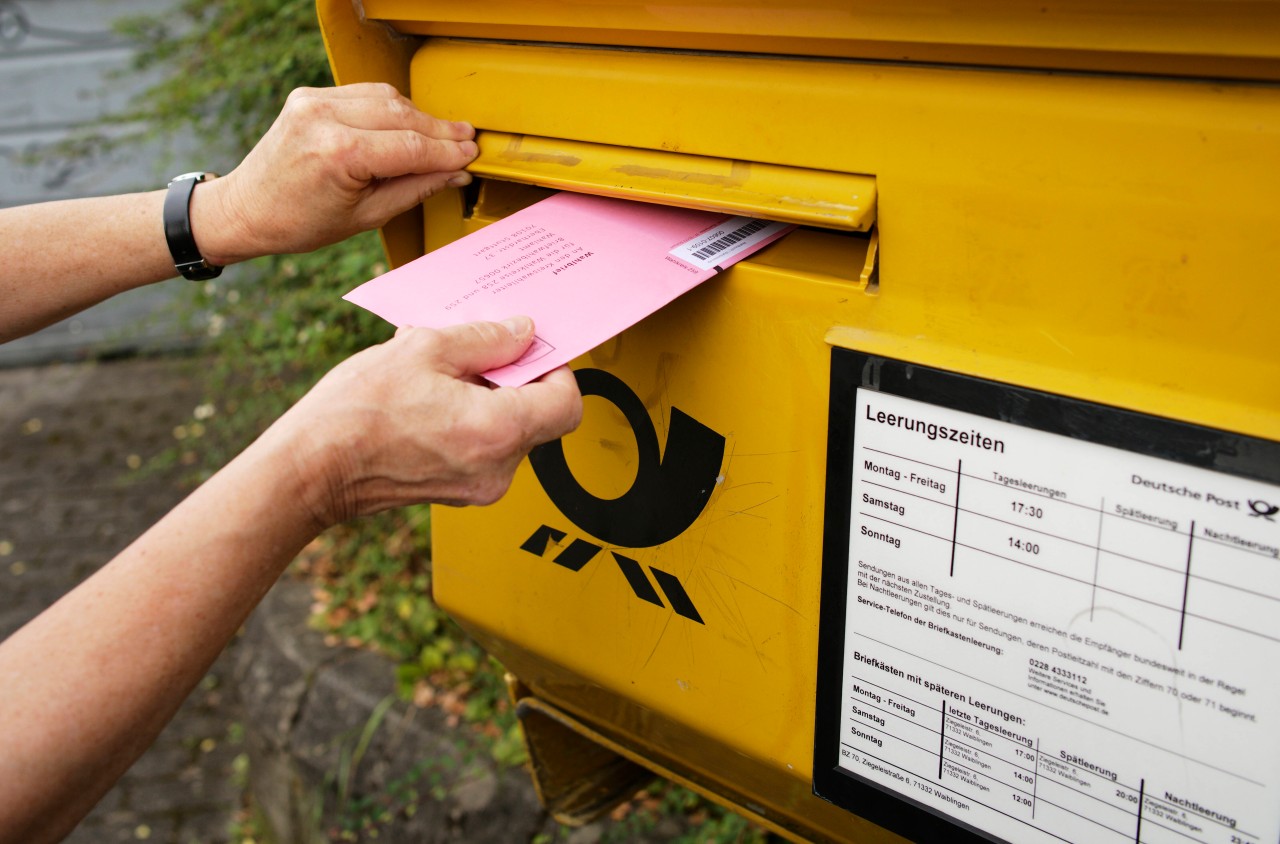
(1189, 38)
(844, 201)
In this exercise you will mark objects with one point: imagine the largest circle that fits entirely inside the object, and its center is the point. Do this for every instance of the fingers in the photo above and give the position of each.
(475, 347)
(388, 153)
(549, 407)
(392, 196)
(375, 106)
(543, 410)
(381, 90)
(374, 133)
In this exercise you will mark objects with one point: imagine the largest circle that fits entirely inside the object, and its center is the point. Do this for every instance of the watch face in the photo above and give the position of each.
(197, 175)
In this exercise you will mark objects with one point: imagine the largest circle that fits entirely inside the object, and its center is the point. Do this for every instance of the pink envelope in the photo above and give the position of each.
(584, 267)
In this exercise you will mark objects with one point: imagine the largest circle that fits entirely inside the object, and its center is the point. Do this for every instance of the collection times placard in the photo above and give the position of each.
(1048, 639)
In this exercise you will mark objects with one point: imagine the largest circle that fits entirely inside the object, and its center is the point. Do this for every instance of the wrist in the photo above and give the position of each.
(307, 463)
(214, 226)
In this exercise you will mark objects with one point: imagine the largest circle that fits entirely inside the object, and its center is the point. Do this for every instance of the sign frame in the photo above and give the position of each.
(1169, 439)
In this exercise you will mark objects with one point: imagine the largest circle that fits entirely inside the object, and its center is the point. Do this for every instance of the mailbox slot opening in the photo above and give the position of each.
(811, 251)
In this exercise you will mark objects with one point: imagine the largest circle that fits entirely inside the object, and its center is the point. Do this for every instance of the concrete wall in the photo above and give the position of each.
(56, 62)
(55, 56)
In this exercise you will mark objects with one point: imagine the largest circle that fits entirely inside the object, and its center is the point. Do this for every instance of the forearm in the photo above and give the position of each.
(92, 681)
(58, 258)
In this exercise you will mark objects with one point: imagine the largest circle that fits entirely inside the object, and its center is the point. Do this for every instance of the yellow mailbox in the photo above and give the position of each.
(953, 514)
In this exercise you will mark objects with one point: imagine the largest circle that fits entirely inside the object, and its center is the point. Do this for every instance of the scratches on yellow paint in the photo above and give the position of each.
(740, 582)
(1055, 341)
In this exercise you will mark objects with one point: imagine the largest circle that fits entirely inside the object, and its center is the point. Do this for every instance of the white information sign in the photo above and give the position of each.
(1052, 640)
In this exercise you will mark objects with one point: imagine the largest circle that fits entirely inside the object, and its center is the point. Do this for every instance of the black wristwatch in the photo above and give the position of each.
(177, 228)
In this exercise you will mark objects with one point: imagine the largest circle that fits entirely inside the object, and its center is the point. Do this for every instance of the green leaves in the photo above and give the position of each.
(228, 66)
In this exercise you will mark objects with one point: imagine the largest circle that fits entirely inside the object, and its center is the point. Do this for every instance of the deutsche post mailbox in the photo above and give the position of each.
(950, 516)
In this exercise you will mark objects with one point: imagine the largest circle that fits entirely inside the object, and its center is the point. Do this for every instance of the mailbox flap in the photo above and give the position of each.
(844, 201)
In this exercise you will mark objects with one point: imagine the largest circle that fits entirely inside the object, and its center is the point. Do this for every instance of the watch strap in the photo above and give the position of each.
(177, 229)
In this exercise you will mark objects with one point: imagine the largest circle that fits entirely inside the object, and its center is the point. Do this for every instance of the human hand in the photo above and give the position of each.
(337, 161)
(411, 421)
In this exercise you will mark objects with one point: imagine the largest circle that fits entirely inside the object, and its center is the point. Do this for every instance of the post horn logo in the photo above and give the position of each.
(671, 489)
(1263, 509)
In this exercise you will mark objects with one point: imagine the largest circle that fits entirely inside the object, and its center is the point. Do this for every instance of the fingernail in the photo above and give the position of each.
(460, 180)
(520, 327)
(469, 149)
(465, 128)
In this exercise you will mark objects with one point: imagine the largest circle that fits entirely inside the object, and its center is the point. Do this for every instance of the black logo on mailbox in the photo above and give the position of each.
(671, 489)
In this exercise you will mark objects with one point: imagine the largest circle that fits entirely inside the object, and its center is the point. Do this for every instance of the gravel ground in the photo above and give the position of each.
(69, 434)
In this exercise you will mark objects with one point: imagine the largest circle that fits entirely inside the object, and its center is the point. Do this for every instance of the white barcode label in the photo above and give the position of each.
(726, 243)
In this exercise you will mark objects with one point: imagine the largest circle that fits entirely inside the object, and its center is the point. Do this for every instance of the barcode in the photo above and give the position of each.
(729, 239)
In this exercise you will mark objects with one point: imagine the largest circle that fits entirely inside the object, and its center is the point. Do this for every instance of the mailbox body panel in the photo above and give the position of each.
(1101, 237)
(1097, 237)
